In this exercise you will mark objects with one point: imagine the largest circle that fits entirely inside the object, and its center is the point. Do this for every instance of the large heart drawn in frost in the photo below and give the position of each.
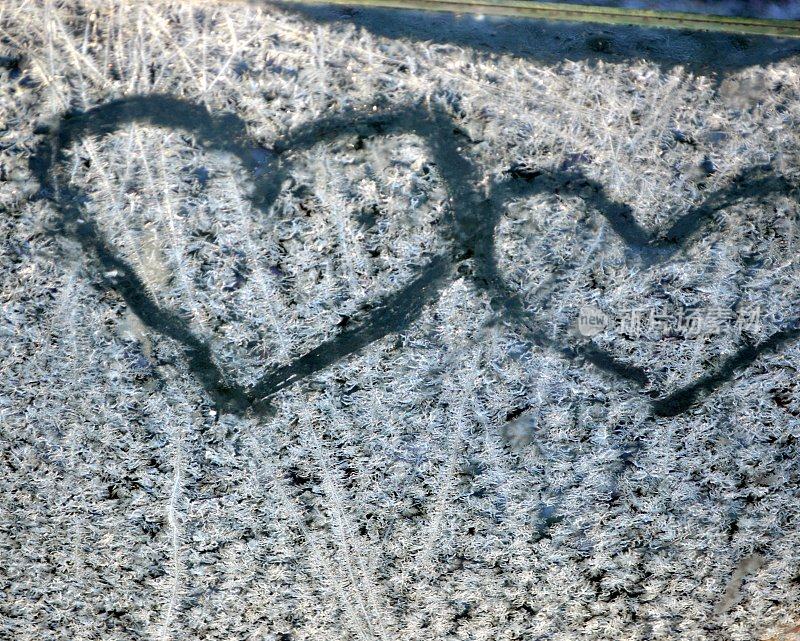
(469, 227)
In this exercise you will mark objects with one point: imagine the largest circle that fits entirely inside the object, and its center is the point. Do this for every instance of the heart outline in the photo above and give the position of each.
(470, 228)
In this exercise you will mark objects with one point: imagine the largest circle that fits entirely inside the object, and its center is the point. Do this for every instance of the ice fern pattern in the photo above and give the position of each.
(453, 478)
